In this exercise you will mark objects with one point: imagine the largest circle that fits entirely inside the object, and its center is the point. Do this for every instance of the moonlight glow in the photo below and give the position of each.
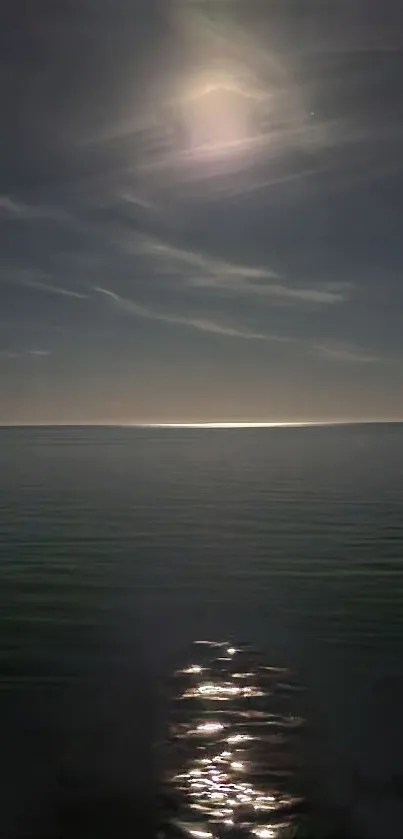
(219, 116)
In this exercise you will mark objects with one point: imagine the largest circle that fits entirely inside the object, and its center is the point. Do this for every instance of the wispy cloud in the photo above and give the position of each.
(216, 119)
(136, 200)
(343, 353)
(10, 206)
(206, 265)
(18, 210)
(202, 270)
(202, 324)
(39, 285)
(349, 354)
(11, 354)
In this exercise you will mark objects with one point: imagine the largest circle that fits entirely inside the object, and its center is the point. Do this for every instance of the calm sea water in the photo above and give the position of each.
(120, 546)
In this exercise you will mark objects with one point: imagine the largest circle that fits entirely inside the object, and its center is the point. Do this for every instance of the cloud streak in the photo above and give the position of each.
(349, 354)
(18, 210)
(344, 354)
(11, 207)
(11, 354)
(201, 324)
(200, 270)
(39, 285)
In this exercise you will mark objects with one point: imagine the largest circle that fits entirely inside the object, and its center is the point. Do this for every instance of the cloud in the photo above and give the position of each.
(180, 257)
(345, 354)
(52, 289)
(204, 325)
(11, 207)
(18, 210)
(243, 285)
(201, 270)
(227, 103)
(353, 355)
(11, 354)
(136, 200)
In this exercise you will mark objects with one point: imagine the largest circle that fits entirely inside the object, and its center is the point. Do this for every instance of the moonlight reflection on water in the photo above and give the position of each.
(233, 751)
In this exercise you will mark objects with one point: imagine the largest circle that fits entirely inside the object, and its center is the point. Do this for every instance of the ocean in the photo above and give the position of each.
(121, 546)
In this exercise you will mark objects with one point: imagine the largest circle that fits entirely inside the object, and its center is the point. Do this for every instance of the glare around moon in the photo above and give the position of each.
(217, 116)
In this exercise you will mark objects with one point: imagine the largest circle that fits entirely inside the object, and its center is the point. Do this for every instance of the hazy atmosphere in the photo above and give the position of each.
(200, 211)
(201, 419)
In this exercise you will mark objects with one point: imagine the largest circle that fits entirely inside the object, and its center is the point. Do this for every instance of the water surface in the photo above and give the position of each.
(119, 546)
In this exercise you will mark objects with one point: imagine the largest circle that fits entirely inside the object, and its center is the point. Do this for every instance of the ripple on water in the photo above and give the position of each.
(233, 755)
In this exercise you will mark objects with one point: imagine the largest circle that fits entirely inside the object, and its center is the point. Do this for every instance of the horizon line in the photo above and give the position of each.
(207, 424)
(273, 424)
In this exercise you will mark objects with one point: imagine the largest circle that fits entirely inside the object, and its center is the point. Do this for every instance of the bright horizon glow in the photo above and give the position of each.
(104, 423)
(239, 424)
(207, 424)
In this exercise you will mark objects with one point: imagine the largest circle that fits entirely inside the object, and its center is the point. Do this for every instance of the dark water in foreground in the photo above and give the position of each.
(120, 546)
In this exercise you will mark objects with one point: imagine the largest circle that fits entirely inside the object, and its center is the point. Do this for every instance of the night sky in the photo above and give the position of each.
(201, 210)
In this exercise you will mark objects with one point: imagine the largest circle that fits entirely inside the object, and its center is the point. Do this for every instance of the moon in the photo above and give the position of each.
(217, 117)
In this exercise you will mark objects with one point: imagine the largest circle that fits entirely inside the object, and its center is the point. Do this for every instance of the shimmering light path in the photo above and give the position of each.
(233, 751)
